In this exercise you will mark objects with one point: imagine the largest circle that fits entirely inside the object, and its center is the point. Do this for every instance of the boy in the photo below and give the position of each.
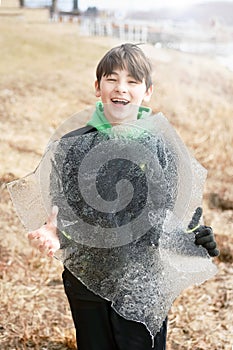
(123, 83)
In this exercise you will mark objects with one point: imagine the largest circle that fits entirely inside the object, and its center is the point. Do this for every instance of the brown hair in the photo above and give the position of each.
(126, 56)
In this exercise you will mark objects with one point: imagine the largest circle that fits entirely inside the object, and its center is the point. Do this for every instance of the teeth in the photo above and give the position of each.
(124, 102)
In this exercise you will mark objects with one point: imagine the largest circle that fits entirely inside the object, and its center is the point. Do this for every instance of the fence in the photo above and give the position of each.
(131, 31)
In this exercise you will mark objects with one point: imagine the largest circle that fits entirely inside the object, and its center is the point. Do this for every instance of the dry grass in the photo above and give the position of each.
(47, 74)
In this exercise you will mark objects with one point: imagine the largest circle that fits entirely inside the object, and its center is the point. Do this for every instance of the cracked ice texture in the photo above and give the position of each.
(125, 197)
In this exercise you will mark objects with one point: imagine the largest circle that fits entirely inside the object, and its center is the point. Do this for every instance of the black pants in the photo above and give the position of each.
(99, 327)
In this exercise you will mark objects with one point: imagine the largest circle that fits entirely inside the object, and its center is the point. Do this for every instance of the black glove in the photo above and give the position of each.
(203, 234)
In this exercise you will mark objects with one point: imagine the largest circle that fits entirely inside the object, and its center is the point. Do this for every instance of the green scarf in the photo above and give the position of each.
(100, 122)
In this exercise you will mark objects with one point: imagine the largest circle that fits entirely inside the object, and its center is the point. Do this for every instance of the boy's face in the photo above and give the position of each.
(122, 95)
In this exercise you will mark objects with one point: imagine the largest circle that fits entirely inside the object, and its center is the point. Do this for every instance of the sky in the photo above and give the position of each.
(138, 4)
(121, 5)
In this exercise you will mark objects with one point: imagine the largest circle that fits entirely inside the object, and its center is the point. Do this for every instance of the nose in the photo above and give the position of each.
(121, 86)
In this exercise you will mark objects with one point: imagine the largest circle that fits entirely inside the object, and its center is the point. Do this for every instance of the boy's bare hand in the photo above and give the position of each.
(45, 238)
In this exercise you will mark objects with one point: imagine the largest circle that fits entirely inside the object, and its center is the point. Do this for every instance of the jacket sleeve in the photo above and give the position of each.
(56, 189)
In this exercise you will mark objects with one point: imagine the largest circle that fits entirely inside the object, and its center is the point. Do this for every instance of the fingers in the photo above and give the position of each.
(44, 246)
(205, 238)
(33, 235)
(195, 219)
(47, 248)
(35, 238)
(51, 253)
(214, 252)
(203, 235)
(45, 238)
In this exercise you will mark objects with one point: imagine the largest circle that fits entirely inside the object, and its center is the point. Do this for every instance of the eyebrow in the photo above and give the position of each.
(115, 73)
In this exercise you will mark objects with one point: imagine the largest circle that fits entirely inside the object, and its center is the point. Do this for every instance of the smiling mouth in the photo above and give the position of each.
(119, 101)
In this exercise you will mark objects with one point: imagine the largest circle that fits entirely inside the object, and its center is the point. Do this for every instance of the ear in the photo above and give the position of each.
(97, 89)
(148, 93)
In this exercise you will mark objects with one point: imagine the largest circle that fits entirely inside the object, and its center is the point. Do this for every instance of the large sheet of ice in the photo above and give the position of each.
(125, 198)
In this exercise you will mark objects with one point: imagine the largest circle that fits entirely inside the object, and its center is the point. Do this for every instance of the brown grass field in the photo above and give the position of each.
(47, 71)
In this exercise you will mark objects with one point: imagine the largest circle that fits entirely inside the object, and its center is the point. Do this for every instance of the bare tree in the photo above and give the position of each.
(75, 5)
(54, 6)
